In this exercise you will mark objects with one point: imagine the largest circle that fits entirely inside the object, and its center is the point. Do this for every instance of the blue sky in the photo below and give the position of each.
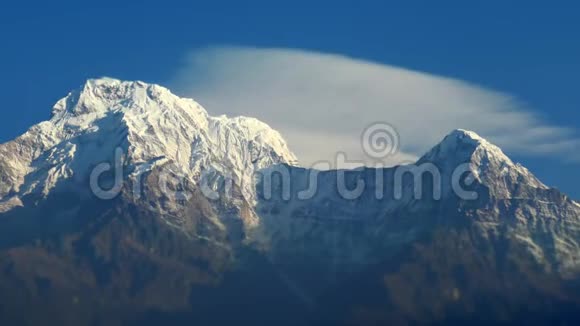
(522, 48)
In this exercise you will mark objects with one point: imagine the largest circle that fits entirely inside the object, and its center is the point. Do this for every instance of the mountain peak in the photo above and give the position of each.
(462, 146)
(147, 122)
(100, 95)
(104, 81)
(466, 136)
(487, 162)
(114, 82)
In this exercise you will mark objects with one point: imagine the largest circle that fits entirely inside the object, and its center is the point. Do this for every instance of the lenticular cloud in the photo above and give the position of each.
(322, 103)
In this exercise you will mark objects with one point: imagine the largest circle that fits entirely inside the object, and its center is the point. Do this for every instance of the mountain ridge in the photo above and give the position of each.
(162, 224)
(84, 108)
(149, 123)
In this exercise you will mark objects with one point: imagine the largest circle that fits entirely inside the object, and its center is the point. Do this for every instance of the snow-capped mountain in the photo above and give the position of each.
(502, 199)
(487, 163)
(150, 125)
(159, 240)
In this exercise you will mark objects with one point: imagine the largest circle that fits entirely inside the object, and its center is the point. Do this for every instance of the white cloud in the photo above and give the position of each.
(321, 103)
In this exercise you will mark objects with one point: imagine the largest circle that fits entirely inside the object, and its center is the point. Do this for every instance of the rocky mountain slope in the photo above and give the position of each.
(132, 205)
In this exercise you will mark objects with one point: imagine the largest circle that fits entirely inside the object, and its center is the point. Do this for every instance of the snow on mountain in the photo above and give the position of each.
(487, 163)
(509, 203)
(312, 238)
(151, 126)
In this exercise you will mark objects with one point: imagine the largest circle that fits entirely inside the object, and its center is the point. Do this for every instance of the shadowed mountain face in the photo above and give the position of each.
(177, 230)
